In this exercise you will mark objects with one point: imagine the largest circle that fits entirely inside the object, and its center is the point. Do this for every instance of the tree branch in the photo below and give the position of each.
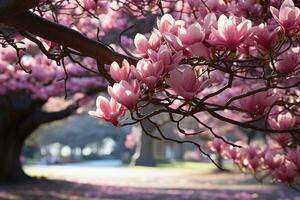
(11, 8)
(67, 37)
(41, 117)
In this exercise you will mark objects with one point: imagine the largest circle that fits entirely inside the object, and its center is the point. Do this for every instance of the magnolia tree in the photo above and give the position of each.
(236, 61)
(22, 100)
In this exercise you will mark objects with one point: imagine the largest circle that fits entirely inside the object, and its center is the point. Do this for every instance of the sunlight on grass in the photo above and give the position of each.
(54, 171)
(184, 166)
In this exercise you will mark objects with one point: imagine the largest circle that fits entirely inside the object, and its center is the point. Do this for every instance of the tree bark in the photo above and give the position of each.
(146, 157)
(16, 125)
(11, 170)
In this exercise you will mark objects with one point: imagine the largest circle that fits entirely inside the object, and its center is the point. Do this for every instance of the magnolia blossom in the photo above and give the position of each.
(125, 93)
(283, 120)
(217, 145)
(288, 61)
(231, 153)
(194, 33)
(192, 39)
(89, 4)
(147, 72)
(109, 110)
(174, 41)
(257, 103)
(288, 16)
(285, 172)
(264, 39)
(168, 61)
(185, 83)
(283, 139)
(120, 73)
(273, 160)
(230, 32)
(252, 157)
(143, 45)
(95, 4)
(189, 39)
(168, 24)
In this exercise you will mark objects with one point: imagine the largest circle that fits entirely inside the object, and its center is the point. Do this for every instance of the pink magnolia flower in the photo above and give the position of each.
(95, 4)
(168, 61)
(168, 24)
(252, 157)
(120, 73)
(294, 156)
(283, 139)
(209, 22)
(89, 4)
(288, 16)
(257, 103)
(147, 72)
(288, 61)
(273, 160)
(231, 153)
(217, 6)
(189, 39)
(263, 38)
(230, 33)
(217, 145)
(155, 40)
(285, 172)
(110, 111)
(125, 93)
(143, 45)
(284, 120)
(200, 50)
(174, 41)
(194, 33)
(185, 83)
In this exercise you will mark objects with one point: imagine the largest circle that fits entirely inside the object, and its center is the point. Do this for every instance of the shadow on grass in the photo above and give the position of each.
(64, 190)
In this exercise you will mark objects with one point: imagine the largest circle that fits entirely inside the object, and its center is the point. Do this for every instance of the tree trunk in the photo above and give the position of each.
(20, 115)
(146, 157)
(11, 170)
(220, 160)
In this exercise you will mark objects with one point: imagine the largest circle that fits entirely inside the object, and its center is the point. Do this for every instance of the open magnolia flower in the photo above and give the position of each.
(185, 83)
(230, 33)
(125, 93)
(288, 16)
(120, 73)
(109, 110)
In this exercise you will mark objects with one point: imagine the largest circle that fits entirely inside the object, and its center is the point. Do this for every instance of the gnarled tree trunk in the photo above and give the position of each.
(11, 170)
(20, 115)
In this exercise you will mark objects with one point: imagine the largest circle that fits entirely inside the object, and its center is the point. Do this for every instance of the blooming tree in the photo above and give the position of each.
(236, 61)
(29, 79)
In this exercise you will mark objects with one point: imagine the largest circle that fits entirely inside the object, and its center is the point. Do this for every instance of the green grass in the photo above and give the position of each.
(203, 167)
(194, 166)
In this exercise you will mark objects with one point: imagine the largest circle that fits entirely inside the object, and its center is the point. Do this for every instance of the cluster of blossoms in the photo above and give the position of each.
(235, 68)
(46, 78)
(184, 59)
(282, 164)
